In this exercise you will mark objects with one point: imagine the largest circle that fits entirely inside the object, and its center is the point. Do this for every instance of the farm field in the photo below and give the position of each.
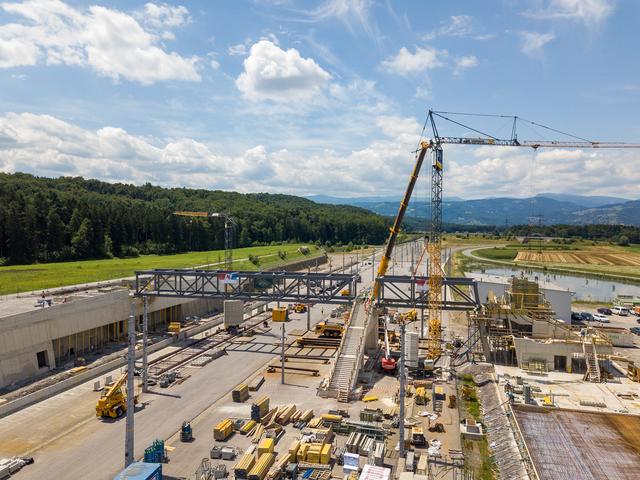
(23, 278)
(599, 260)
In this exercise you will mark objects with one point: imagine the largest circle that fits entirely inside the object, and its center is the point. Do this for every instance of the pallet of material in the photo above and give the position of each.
(262, 466)
(293, 450)
(256, 383)
(284, 414)
(240, 393)
(257, 434)
(244, 465)
(223, 429)
(266, 445)
(248, 427)
(260, 408)
(281, 462)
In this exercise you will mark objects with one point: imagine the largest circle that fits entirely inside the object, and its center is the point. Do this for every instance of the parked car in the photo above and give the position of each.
(605, 311)
(599, 317)
(587, 317)
(576, 317)
(622, 311)
(635, 330)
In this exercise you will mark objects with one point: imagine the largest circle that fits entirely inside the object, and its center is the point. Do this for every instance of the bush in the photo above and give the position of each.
(254, 259)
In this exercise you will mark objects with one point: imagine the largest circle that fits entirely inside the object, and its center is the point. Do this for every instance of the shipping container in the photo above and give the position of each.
(141, 471)
(233, 313)
(262, 466)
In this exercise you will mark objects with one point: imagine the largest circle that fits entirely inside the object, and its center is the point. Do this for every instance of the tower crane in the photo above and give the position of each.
(434, 238)
(229, 226)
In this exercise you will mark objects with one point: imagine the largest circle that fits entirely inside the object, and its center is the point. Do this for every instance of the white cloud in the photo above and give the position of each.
(48, 146)
(589, 12)
(352, 13)
(111, 42)
(534, 42)
(164, 16)
(239, 49)
(271, 73)
(405, 62)
(458, 26)
(464, 63)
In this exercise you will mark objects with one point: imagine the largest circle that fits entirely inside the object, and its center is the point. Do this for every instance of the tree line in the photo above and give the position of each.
(67, 218)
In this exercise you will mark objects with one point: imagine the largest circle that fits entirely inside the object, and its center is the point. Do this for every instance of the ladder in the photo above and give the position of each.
(593, 373)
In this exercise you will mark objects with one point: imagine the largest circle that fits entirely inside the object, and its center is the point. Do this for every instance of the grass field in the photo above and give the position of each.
(601, 260)
(22, 278)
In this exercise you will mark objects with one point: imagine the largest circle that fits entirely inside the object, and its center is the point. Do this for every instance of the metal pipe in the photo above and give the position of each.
(282, 360)
(145, 331)
(402, 390)
(131, 357)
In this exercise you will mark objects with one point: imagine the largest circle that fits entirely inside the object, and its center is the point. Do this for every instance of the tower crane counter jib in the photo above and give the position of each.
(434, 238)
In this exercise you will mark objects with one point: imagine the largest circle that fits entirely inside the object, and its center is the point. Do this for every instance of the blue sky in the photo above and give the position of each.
(324, 97)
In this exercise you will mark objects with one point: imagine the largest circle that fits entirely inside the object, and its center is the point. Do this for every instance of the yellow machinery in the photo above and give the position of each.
(417, 437)
(345, 293)
(113, 402)
(411, 316)
(280, 314)
(300, 308)
(327, 329)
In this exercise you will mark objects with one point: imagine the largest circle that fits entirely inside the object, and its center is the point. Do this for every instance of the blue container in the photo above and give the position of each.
(141, 471)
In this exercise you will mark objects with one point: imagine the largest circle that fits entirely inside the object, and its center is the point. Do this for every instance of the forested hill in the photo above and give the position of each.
(44, 219)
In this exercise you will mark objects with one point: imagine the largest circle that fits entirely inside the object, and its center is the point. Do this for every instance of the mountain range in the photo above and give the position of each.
(545, 208)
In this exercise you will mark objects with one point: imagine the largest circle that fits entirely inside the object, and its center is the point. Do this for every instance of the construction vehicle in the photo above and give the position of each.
(280, 314)
(411, 316)
(329, 329)
(421, 396)
(113, 402)
(346, 292)
(186, 434)
(417, 437)
(387, 363)
(299, 308)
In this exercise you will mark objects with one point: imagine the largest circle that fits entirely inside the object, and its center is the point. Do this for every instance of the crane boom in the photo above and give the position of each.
(393, 232)
(532, 143)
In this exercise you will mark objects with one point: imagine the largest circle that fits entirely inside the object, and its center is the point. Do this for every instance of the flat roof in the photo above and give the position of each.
(32, 301)
(571, 444)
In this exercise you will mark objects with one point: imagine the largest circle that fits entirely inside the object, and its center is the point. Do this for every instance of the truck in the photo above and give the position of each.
(113, 402)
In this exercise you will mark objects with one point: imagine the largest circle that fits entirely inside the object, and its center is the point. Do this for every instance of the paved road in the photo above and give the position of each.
(91, 448)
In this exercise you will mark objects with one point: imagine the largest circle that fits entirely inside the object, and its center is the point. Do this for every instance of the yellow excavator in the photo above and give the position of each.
(113, 402)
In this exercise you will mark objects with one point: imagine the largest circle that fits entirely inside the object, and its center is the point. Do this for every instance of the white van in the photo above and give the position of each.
(622, 311)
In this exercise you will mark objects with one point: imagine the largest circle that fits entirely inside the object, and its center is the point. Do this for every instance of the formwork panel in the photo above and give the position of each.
(572, 445)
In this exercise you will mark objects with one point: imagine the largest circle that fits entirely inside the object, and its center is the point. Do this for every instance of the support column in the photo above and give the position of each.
(402, 389)
(308, 317)
(282, 359)
(422, 323)
(145, 329)
(131, 357)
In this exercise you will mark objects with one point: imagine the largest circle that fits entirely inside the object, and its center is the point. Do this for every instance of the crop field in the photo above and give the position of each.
(24, 278)
(585, 257)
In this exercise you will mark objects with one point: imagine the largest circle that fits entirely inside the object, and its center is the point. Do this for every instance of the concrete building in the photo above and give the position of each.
(38, 335)
(558, 297)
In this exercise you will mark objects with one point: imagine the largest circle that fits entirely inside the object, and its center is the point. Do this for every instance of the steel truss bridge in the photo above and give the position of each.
(332, 288)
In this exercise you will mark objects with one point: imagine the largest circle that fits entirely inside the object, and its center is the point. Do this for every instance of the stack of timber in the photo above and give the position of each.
(240, 393)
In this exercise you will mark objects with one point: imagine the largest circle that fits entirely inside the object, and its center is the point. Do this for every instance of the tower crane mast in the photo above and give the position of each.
(434, 237)
(434, 246)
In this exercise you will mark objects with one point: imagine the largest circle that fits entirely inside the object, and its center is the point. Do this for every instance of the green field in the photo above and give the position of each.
(22, 278)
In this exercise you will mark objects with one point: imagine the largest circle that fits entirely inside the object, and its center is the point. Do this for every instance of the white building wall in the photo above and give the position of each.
(24, 334)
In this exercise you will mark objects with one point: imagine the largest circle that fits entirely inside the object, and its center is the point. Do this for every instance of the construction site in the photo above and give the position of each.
(371, 367)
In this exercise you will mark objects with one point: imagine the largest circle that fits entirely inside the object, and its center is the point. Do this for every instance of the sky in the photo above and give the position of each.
(326, 97)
